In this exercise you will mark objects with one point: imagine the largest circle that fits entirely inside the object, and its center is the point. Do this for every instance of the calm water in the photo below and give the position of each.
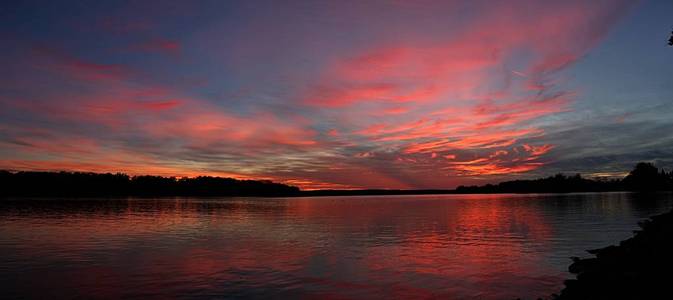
(449, 246)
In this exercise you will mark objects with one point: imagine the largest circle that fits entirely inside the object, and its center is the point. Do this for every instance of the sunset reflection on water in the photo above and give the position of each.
(453, 246)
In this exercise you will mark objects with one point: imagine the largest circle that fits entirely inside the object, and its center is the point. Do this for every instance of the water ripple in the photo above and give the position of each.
(453, 246)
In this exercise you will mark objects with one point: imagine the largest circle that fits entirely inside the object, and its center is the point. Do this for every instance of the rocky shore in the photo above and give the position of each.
(638, 268)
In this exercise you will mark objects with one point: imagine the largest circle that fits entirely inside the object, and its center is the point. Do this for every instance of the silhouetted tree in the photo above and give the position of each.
(670, 40)
(96, 184)
(558, 183)
(646, 177)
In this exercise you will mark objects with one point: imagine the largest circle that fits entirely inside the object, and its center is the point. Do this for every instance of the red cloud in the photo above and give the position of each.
(462, 89)
(397, 110)
(421, 106)
(537, 150)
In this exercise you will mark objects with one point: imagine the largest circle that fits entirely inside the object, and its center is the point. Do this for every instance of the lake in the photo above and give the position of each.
(362, 247)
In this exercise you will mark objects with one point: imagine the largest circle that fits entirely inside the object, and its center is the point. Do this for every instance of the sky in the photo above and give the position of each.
(337, 94)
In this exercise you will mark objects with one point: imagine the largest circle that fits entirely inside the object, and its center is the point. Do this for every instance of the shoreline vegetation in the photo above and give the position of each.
(644, 177)
(637, 268)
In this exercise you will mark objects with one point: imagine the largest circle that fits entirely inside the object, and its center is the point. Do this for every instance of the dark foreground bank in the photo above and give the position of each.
(638, 268)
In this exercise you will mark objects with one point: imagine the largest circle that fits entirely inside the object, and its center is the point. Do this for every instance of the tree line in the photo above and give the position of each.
(108, 184)
(644, 177)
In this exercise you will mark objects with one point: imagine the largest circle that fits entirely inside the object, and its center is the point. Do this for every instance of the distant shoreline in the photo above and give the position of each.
(645, 177)
(305, 195)
(321, 193)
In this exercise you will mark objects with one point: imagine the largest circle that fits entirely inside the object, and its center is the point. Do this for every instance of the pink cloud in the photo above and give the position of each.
(537, 150)
(461, 86)
(158, 45)
(419, 107)
(396, 110)
(63, 63)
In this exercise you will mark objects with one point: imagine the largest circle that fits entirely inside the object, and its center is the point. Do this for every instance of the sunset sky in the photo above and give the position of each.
(337, 94)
